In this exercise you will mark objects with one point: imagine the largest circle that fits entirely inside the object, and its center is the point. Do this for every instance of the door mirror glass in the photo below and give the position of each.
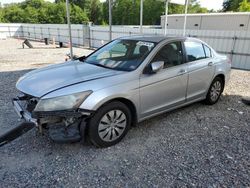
(157, 66)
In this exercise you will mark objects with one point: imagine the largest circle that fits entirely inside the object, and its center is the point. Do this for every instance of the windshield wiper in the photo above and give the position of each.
(100, 65)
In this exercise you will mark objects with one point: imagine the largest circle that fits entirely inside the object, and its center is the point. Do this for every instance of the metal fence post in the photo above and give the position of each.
(41, 33)
(83, 34)
(233, 47)
(23, 32)
(58, 34)
(49, 32)
(9, 31)
(34, 32)
(78, 37)
(28, 32)
(90, 39)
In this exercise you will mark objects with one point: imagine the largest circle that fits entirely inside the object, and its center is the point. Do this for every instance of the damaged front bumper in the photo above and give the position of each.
(63, 126)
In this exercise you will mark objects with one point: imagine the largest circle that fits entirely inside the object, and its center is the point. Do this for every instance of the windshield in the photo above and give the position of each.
(124, 55)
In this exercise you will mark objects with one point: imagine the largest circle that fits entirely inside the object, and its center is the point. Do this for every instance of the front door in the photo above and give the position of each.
(166, 88)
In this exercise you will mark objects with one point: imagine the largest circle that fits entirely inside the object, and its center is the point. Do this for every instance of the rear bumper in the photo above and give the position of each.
(23, 114)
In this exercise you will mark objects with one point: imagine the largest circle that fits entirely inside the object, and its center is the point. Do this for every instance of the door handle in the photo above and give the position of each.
(182, 71)
(210, 63)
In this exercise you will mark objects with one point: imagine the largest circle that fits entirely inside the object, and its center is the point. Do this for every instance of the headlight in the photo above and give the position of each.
(66, 102)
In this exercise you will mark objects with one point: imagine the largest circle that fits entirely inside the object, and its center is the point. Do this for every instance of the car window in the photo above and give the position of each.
(207, 51)
(121, 54)
(171, 54)
(118, 50)
(194, 50)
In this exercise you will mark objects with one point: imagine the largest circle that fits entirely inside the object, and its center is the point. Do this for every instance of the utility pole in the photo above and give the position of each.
(166, 17)
(185, 17)
(69, 27)
(141, 16)
(110, 19)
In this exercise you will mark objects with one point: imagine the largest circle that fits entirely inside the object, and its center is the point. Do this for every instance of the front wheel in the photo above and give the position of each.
(109, 124)
(214, 92)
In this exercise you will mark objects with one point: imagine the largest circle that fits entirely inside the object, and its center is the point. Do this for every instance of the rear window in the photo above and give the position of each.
(194, 50)
(207, 51)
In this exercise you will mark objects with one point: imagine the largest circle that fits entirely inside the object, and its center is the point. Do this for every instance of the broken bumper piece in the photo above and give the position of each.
(23, 114)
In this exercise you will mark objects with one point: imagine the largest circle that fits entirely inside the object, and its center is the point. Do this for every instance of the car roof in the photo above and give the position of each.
(152, 38)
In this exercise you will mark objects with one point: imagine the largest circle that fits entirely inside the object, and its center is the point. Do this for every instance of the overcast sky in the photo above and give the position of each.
(210, 4)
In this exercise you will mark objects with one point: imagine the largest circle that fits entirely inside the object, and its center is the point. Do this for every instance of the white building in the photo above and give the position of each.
(212, 21)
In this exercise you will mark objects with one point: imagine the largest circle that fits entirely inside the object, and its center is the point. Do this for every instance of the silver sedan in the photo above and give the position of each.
(124, 82)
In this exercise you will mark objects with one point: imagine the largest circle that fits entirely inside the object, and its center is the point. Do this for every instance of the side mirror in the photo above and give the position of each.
(157, 66)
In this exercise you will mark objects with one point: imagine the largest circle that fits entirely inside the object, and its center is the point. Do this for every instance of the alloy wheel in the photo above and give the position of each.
(215, 91)
(112, 125)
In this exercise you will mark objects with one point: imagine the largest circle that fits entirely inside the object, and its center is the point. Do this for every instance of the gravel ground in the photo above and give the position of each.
(195, 146)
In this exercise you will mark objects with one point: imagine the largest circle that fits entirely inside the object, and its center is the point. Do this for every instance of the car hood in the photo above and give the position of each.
(45, 80)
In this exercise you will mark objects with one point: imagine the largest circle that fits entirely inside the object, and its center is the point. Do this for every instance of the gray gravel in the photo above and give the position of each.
(195, 146)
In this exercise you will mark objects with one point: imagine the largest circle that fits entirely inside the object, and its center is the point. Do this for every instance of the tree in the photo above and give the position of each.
(155, 7)
(244, 6)
(126, 12)
(77, 15)
(13, 13)
(1, 14)
(195, 7)
(32, 3)
(231, 5)
(56, 13)
(175, 8)
(105, 12)
(31, 15)
(94, 11)
(39, 11)
(93, 8)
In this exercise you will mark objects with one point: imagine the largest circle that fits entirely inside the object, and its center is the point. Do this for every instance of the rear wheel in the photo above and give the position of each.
(214, 92)
(109, 124)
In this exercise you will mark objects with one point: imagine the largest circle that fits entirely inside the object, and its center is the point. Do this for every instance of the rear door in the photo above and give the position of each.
(200, 69)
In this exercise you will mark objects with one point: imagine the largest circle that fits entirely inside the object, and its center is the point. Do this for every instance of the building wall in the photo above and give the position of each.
(218, 21)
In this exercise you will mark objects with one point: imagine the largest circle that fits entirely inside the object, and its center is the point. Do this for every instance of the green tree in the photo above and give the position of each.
(126, 12)
(175, 9)
(244, 6)
(231, 5)
(39, 11)
(105, 14)
(92, 8)
(94, 11)
(56, 13)
(1, 14)
(195, 7)
(31, 15)
(32, 3)
(83, 4)
(77, 15)
(13, 14)
(155, 7)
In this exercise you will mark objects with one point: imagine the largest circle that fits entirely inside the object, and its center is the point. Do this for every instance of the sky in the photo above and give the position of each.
(209, 4)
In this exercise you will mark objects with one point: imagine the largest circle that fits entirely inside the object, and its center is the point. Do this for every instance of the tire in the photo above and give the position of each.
(109, 124)
(246, 100)
(214, 92)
